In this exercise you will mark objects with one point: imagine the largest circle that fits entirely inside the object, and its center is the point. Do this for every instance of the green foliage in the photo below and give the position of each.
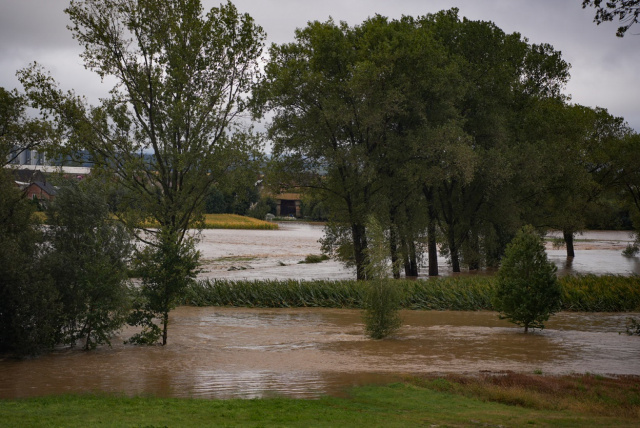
(29, 304)
(382, 298)
(631, 250)
(313, 258)
(588, 293)
(19, 131)
(609, 293)
(626, 11)
(166, 270)
(88, 260)
(527, 290)
(261, 208)
(633, 327)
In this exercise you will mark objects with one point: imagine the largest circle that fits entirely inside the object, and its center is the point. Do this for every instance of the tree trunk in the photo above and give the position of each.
(413, 259)
(359, 245)
(432, 247)
(393, 249)
(453, 251)
(165, 323)
(474, 246)
(568, 239)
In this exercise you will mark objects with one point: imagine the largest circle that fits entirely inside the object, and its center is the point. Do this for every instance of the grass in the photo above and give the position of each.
(234, 221)
(511, 400)
(587, 293)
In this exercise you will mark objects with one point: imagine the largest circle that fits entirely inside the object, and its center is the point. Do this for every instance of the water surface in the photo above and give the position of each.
(248, 353)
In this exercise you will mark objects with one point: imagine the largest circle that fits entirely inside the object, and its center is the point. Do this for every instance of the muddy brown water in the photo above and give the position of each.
(247, 353)
(305, 353)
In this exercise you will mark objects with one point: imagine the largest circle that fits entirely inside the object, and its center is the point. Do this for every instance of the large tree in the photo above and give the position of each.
(170, 127)
(473, 196)
(343, 98)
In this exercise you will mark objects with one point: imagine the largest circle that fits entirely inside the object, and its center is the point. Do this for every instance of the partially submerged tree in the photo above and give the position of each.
(170, 128)
(527, 290)
(382, 297)
(88, 259)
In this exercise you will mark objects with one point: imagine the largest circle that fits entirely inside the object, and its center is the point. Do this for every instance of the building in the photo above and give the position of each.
(289, 204)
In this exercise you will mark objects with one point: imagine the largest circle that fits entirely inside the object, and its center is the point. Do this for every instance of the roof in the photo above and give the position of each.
(289, 196)
(46, 187)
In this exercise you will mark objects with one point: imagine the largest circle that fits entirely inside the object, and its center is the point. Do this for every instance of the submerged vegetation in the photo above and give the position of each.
(589, 293)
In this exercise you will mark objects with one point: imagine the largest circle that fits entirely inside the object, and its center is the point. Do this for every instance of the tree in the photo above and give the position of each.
(29, 306)
(626, 11)
(527, 290)
(170, 128)
(469, 188)
(88, 258)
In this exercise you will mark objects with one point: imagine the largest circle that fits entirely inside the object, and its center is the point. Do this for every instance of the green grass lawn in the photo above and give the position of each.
(414, 403)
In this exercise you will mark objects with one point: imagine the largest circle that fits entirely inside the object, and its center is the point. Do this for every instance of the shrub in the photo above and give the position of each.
(313, 258)
(382, 298)
(88, 260)
(527, 290)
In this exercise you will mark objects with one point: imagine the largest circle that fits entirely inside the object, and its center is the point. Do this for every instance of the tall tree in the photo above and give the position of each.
(170, 128)
(502, 74)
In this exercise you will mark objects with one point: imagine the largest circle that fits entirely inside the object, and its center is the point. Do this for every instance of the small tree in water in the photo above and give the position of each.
(527, 291)
(382, 298)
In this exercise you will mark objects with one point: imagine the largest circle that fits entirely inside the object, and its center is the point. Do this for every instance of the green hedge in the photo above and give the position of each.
(587, 293)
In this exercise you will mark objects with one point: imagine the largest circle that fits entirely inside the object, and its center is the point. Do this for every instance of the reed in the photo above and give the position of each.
(587, 293)
(609, 293)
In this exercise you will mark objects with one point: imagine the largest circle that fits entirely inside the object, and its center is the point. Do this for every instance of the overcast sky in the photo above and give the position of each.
(604, 68)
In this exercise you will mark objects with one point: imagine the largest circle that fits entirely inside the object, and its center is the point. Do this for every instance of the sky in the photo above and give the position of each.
(604, 68)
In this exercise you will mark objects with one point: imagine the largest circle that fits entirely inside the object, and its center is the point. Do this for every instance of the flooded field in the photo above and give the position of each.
(275, 254)
(231, 352)
(236, 352)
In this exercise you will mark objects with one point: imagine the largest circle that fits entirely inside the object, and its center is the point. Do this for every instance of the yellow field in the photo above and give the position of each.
(234, 221)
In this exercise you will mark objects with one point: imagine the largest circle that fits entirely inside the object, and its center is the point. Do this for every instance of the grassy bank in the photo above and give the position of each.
(234, 221)
(504, 401)
(580, 293)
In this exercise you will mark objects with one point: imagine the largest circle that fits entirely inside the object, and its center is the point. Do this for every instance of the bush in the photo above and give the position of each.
(382, 302)
(88, 260)
(527, 290)
(382, 298)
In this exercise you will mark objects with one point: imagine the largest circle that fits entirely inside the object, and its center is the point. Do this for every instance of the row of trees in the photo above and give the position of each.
(447, 130)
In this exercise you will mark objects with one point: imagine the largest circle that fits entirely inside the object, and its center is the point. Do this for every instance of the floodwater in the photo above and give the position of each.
(275, 254)
(305, 353)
